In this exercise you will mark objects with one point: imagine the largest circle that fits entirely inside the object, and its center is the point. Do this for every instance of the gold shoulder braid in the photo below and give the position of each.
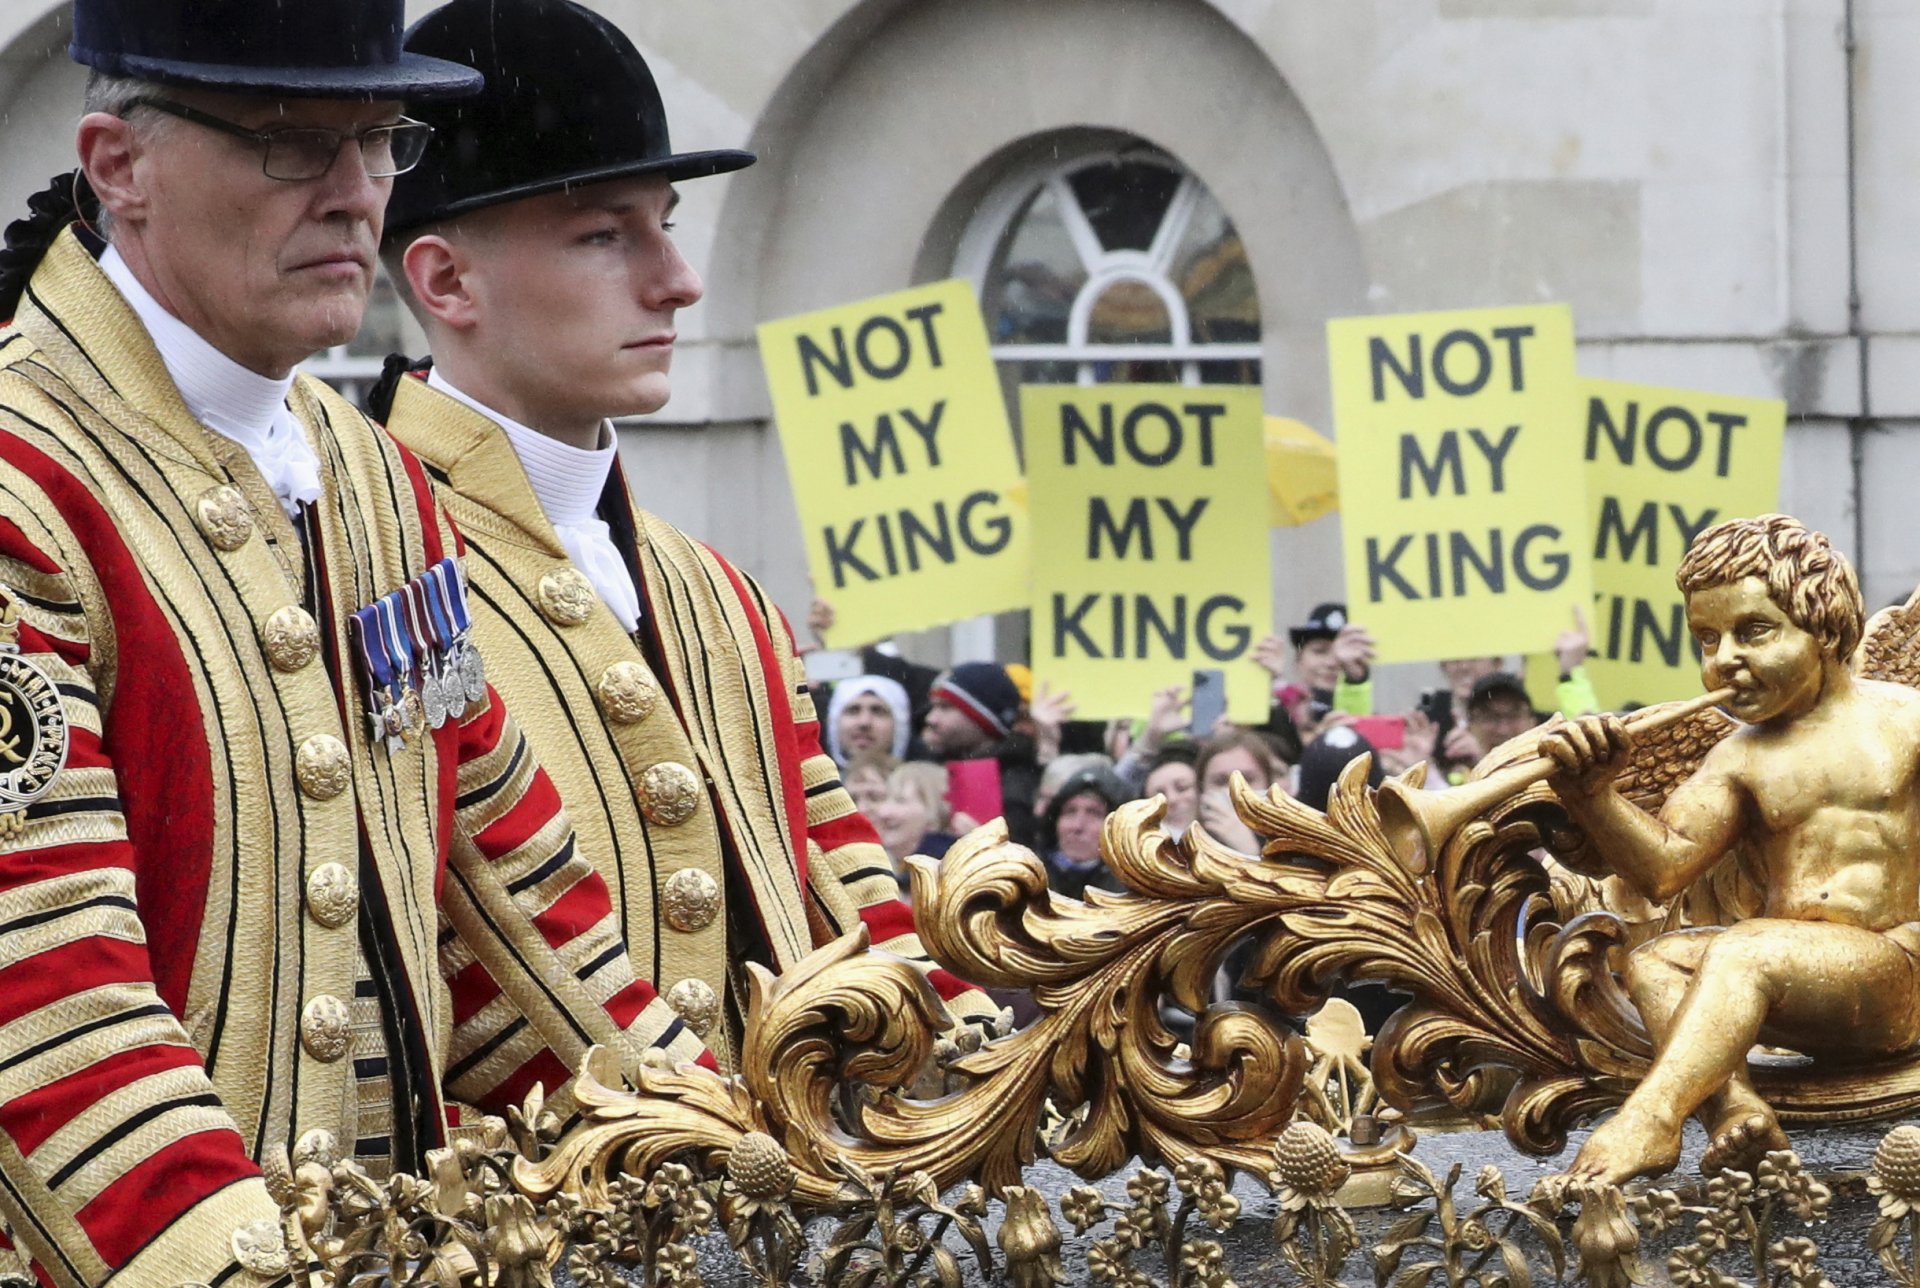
(33, 727)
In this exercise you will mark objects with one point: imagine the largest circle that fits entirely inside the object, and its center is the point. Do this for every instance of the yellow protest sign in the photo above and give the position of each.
(1150, 542)
(1460, 496)
(902, 462)
(1662, 465)
(1302, 481)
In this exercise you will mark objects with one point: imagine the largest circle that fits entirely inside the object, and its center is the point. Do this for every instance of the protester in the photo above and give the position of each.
(1058, 770)
(1326, 758)
(868, 713)
(1136, 746)
(972, 715)
(1073, 825)
(1498, 709)
(865, 779)
(1170, 774)
(914, 817)
(1233, 751)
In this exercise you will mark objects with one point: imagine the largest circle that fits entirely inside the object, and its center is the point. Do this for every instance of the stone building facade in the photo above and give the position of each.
(1725, 191)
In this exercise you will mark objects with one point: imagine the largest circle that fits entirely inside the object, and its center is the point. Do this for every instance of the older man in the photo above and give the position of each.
(251, 898)
(534, 241)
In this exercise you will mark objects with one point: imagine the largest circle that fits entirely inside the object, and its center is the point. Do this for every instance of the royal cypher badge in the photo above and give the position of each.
(33, 727)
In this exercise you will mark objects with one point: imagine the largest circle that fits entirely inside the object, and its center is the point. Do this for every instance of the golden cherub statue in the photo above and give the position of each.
(1821, 785)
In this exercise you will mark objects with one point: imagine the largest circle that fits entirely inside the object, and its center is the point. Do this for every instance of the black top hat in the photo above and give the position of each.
(292, 48)
(569, 102)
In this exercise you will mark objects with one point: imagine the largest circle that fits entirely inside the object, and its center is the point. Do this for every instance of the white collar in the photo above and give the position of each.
(220, 393)
(567, 481)
(242, 405)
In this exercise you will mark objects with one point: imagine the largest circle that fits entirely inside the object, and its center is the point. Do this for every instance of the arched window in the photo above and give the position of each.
(1115, 266)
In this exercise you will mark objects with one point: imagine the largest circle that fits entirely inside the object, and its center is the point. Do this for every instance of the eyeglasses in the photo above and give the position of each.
(296, 154)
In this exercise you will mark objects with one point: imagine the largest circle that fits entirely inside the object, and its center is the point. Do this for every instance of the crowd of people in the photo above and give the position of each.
(899, 730)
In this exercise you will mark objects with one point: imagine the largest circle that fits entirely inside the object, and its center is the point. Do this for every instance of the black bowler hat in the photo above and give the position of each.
(569, 102)
(292, 48)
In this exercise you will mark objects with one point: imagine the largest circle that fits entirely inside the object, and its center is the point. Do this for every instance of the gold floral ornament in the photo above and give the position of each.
(1030, 1240)
(1896, 1183)
(1449, 1246)
(1315, 1234)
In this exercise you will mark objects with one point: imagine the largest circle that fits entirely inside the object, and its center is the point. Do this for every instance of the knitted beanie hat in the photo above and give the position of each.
(984, 693)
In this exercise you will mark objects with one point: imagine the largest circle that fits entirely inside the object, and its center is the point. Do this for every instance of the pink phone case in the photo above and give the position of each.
(973, 789)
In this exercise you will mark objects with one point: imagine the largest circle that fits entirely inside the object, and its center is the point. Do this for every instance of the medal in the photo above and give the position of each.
(34, 733)
(453, 684)
(473, 669)
(393, 622)
(420, 621)
(370, 642)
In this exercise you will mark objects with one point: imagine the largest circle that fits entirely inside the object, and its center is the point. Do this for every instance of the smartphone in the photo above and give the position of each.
(825, 665)
(973, 789)
(1386, 733)
(1209, 701)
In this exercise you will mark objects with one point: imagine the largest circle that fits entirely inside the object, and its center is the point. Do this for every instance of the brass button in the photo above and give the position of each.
(566, 596)
(669, 794)
(317, 1146)
(691, 899)
(694, 1001)
(224, 518)
(324, 1027)
(292, 638)
(261, 1248)
(322, 766)
(333, 895)
(627, 693)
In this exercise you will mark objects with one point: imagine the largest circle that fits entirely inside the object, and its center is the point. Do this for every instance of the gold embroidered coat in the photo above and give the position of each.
(688, 753)
(224, 860)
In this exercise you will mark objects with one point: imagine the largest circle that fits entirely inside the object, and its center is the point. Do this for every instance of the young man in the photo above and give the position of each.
(1822, 787)
(658, 684)
(236, 917)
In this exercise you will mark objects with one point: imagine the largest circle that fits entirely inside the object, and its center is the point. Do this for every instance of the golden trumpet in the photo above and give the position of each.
(1419, 823)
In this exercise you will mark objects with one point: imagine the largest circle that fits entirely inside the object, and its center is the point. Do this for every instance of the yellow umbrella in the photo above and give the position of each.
(1302, 478)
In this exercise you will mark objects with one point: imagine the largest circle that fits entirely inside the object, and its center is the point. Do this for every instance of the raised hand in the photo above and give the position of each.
(1049, 712)
(1572, 647)
(1353, 650)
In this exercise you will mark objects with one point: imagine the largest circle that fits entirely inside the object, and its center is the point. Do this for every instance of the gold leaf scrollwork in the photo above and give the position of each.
(1098, 971)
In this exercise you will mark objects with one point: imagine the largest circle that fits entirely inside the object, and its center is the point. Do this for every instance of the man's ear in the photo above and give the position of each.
(437, 273)
(107, 152)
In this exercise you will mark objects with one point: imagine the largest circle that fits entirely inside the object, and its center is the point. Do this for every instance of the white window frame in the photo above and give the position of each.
(1105, 268)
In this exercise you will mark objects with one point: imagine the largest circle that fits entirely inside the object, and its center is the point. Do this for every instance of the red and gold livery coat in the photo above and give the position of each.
(186, 914)
(688, 753)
